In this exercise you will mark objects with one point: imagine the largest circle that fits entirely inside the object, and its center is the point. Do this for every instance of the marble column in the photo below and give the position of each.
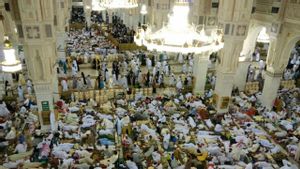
(271, 86)
(200, 67)
(2, 80)
(234, 17)
(87, 6)
(61, 38)
(39, 44)
(241, 75)
(277, 60)
(103, 13)
(110, 15)
(223, 89)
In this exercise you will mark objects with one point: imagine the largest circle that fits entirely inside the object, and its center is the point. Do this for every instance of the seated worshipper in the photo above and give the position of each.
(21, 146)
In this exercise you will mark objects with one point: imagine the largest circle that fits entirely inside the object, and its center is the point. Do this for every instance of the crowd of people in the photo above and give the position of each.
(121, 32)
(134, 70)
(77, 15)
(166, 130)
(292, 71)
(84, 45)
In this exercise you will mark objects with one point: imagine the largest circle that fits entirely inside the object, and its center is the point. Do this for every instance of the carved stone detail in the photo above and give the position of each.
(33, 32)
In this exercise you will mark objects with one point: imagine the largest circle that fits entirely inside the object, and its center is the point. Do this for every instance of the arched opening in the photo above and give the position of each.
(292, 70)
(261, 46)
(258, 57)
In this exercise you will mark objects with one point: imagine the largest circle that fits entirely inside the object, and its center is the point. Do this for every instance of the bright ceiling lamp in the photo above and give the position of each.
(117, 4)
(144, 10)
(10, 63)
(96, 6)
(263, 37)
(178, 35)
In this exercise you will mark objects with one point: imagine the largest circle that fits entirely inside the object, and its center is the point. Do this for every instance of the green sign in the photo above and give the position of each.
(45, 106)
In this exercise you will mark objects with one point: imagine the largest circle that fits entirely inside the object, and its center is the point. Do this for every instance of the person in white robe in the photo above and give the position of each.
(64, 85)
(131, 165)
(114, 79)
(158, 65)
(29, 90)
(154, 71)
(52, 121)
(261, 65)
(149, 64)
(107, 76)
(257, 56)
(191, 62)
(172, 80)
(88, 81)
(190, 69)
(28, 83)
(189, 79)
(294, 60)
(180, 58)
(166, 69)
(74, 71)
(80, 84)
(119, 125)
(123, 82)
(20, 93)
(184, 68)
(21, 148)
(287, 75)
(74, 63)
(179, 84)
(166, 140)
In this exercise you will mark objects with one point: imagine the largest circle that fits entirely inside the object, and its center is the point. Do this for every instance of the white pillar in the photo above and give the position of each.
(223, 89)
(87, 6)
(55, 88)
(61, 45)
(241, 75)
(200, 67)
(110, 16)
(44, 97)
(103, 13)
(271, 86)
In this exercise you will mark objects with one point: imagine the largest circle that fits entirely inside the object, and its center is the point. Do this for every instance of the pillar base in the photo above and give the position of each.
(271, 86)
(241, 75)
(44, 99)
(223, 89)
(200, 67)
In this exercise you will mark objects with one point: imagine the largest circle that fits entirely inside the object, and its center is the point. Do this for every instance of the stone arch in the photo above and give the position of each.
(9, 26)
(250, 41)
(286, 52)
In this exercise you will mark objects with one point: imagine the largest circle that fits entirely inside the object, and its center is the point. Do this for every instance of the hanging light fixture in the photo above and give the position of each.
(178, 35)
(117, 4)
(10, 63)
(263, 37)
(144, 10)
(96, 6)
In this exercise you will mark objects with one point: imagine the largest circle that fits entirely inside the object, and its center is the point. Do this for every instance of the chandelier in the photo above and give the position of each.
(10, 63)
(178, 35)
(96, 6)
(144, 10)
(263, 37)
(117, 4)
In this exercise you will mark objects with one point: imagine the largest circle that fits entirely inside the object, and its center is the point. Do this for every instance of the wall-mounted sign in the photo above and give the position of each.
(45, 106)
